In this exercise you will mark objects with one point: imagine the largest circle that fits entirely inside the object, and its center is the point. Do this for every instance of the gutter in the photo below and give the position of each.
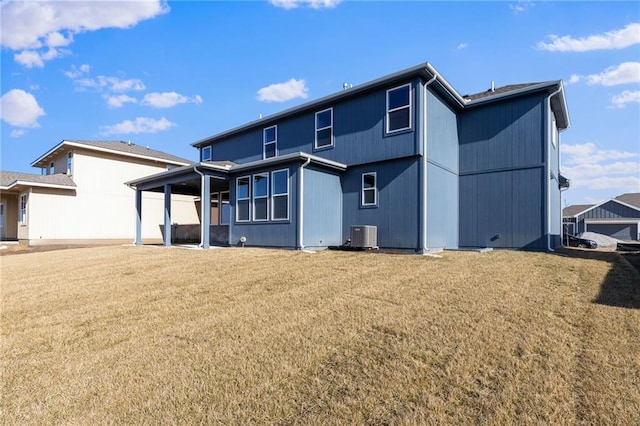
(301, 204)
(548, 162)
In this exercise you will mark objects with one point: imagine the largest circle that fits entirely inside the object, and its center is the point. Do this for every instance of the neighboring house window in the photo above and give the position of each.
(261, 197)
(270, 140)
(206, 153)
(324, 128)
(242, 199)
(225, 209)
(69, 164)
(399, 108)
(280, 195)
(1, 215)
(369, 191)
(22, 214)
(51, 168)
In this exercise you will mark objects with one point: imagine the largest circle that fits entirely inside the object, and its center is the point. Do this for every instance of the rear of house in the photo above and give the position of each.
(406, 154)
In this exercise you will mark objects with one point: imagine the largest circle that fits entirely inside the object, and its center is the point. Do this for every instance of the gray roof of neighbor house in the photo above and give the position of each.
(631, 198)
(9, 180)
(125, 148)
(573, 210)
(425, 71)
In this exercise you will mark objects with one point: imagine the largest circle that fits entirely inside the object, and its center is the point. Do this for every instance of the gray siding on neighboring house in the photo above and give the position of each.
(621, 231)
(502, 174)
(397, 212)
(268, 234)
(322, 209)
(442, 174)
(608, 210)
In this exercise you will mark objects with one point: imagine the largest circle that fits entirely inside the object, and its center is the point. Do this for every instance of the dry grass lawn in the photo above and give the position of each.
(146, 335)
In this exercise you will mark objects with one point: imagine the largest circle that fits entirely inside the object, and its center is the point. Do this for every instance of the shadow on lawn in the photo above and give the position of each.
(621, 286)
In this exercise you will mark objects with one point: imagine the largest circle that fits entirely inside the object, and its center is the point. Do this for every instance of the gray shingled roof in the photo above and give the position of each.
(8, 178)
(573, 210)
(124, 147)
(631, 198)
(499, 91)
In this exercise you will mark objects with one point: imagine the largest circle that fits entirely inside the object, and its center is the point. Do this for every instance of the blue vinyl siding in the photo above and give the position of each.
(397, 214)
(503, 209)
(358, 129)
(442, 174)
(322, 208)
(269, 233)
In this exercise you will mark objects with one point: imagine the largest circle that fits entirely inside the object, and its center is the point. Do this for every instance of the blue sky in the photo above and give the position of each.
(166, 74)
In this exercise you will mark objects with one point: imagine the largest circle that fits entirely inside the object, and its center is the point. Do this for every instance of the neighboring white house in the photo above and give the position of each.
(81, 196)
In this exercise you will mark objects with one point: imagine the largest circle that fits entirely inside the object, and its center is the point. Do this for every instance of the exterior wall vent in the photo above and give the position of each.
(364, 236)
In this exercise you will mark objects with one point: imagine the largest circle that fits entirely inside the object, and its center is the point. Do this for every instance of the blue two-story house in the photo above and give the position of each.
(406, 153)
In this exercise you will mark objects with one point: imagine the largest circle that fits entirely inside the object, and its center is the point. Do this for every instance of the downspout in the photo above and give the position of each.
(301, 204)
(423, 165)
(202, 207)
(548, 164)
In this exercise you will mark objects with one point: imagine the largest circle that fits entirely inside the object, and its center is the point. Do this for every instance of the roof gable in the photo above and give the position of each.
(9, 180)
(610, 200)
(123, 148)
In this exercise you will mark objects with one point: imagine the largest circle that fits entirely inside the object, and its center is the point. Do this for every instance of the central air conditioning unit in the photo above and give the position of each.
(364, 236)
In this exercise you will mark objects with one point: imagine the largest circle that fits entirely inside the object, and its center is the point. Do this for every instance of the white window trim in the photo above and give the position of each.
(22, 218)
(238, 199)
(206, 157)
(260, 197)
(274, 141)
(274, 195)
(315, 143)
(375, 190)
(410, 106)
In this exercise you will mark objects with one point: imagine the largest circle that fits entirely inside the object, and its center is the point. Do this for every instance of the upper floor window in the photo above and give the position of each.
(324, 128)
(399, 108)
(369, 191)
(270, 141)
(69, 164)
(280, 195)
(22, 213)
(242, 199)
(261, 196)
(206, 153)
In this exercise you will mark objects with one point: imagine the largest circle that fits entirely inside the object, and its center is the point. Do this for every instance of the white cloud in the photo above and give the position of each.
(20, 109)
(119, 100)
(281, 92)
(34, 25)
(29, 58)
(626, 97)
(625, 73)
(76, 72)
(593, 168)
(462, 46)
(139, 125)
(521, 6)
(111, 84)
(616, 39)
(314, 4)
(168, 99)
(16, 133)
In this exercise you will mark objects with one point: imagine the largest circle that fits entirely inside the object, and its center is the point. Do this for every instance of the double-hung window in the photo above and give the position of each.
(270, 142)
(69, 164)
(243, 199)
(206, 153)
(324, 129)
(261, 197)
(369, 189)
(280, 195)
(22, 213)
(399, 108)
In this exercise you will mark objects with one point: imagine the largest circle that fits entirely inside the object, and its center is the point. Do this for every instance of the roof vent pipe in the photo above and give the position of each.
(493, 86)
(345, 86)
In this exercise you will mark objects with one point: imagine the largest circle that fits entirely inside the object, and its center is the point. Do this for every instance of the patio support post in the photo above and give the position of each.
(205, 213)
(138, 240)
(167, 215)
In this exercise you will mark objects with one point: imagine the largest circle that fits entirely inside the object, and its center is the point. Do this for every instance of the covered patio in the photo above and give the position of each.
(209, 181)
